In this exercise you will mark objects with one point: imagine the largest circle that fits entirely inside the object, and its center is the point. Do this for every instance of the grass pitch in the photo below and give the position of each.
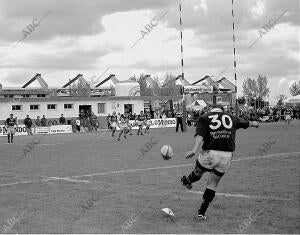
(91, 183)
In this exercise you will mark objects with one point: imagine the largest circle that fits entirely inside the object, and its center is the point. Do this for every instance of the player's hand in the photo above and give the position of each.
(189, 154)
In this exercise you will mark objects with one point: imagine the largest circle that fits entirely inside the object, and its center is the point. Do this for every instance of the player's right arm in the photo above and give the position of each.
(201, 131)
(197, 144)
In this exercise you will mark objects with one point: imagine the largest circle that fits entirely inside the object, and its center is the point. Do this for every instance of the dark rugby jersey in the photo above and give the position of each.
(113, 118)
(218, 130)
(288, 112)
(178, 114)
(11, 122)
(141, 117)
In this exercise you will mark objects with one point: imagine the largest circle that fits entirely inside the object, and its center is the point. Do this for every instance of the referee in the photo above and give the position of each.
(178, 116)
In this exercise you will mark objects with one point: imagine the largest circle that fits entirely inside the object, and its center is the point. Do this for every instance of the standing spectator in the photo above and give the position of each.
(38, 121)
(108, 121)
(28, 124)
(178, 116)
(189, 119)
(43, 121)
(78, 124)
(133, 117)
(156, 114)
(62, 120)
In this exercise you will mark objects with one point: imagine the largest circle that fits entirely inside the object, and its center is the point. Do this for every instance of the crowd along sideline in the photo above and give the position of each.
(62, 129)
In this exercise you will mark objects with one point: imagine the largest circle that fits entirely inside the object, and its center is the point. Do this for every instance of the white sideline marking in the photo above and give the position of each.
(175, 166)
(26, 144)
(68, 179)
(246, 196)
(134, 170)
(50, 144)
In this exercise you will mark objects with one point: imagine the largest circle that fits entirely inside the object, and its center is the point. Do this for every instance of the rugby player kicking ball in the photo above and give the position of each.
(215, 133)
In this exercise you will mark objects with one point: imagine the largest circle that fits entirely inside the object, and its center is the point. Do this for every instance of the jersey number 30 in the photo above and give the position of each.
(216, 123)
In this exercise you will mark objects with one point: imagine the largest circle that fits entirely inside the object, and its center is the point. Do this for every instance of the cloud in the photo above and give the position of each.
(281, 81)
(258, 9)
(89, 36)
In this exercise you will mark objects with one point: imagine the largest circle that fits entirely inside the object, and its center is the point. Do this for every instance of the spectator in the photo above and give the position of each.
(189, 119)
(28, 124)
(38, 121)
(178, 116)
(62, 120)
(108, 121)
(133, 117)
(43, 121)
(156, 114)
(78, 124)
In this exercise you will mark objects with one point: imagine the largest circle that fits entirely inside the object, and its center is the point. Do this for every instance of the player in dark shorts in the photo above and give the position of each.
(10, 124)
(288, 116)
(141, 121)
(122, 124)
(129, 128)
(215, 133)
(148, 122)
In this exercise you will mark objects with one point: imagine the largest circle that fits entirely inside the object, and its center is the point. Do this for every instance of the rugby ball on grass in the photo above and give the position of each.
(166, 152)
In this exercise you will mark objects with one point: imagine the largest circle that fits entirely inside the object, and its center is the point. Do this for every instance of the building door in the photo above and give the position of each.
(85, 109)
(128, 108)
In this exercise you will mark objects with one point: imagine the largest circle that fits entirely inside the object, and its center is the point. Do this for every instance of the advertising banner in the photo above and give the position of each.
(41, 130)
(197, 89)
(20, 130)
(60, 129)
(155, 123)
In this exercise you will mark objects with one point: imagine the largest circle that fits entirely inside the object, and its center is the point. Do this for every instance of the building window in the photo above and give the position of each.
(26, 96)
(17, 107)
(34, 107)
(51, 106)
(68, 106)
(101, 108)
(41, 95)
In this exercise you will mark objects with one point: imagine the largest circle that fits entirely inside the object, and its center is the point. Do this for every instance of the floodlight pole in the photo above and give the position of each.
(182, 74)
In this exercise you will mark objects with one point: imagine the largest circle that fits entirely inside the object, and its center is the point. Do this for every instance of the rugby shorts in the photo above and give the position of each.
(140, 123)
(216, 161)
(10, 130)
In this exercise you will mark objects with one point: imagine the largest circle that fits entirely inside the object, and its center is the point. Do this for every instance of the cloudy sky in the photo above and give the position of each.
(61, 38)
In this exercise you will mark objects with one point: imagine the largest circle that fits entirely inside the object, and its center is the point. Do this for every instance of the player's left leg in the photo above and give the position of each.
(181, 125)
(113, 131)
(210, 191)
(125, 132)
(120, 134)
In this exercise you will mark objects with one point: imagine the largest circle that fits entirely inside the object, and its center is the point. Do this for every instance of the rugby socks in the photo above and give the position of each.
(8, 138)
(193, 177)
(208, 196)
